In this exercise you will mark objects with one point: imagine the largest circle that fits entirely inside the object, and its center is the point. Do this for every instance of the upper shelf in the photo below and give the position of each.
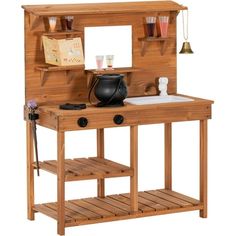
(103, 8)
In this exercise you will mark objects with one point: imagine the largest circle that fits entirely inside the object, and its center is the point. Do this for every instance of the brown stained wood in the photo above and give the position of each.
(142, 207)
(175, 200)
(134, 167)
(91, 168)
(94, 208)
(123, 200)
(110, 163)
(89, 214)
(116, 203)
(59, 68)
(115, 207)
(158, 200)
(69, 214)
(103, 8)
(106, 206)
(30, 171)
(61, 183)
(57, 88)
(46, 210)
(146, 40)
(168, 156)
(203, 167)
(134, 115)
(34, 21)
(100, 155)
(180, 196)
(151, 204)
(136, 215)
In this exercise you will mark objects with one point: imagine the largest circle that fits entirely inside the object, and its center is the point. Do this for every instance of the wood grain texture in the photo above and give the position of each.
(100, 154)
(203, 167)
(55, 86)
(60, 183)
(168, 156)
(87, 168)
(134, 115)
(117, 207)
(134, 167)
(30, 171)
(103, 8)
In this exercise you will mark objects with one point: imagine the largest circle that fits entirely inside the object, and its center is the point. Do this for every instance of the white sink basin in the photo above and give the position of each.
(156, 99)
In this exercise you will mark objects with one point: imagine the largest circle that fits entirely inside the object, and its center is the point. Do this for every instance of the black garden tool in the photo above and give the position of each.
(32, 106)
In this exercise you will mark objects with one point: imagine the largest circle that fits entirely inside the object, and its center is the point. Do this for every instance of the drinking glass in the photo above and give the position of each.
(99, 61)
(52, 20)
(164, 22)
(69, 22)
(63, 23)
(109, 61)
(151, 23)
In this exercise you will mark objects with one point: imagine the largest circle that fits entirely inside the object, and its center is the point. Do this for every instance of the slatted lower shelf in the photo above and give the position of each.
(117, 207)
(88, 168)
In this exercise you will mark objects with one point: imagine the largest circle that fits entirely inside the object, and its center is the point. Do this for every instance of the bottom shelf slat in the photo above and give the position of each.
(117, 207)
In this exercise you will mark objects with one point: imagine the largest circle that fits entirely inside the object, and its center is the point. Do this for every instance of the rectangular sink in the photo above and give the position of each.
(156, 99)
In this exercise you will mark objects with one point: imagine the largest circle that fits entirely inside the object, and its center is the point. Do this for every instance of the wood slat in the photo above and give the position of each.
(46, 210)
(89, 167)
(142, 207)
(87, 213)
(69, 213)
(158, 200)
(77, 169)
(170, 198)
(111, 163)
(103, 166)
(181, 196)
(117, 203)
(155, 206)
(93, 208)
(116, 207)
(123, 200)
(106, 206)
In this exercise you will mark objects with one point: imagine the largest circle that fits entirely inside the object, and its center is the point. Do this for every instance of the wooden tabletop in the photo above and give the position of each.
(128, 107)
(102, 8)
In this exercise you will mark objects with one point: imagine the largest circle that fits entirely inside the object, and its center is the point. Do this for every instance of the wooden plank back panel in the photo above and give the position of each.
(56, 88)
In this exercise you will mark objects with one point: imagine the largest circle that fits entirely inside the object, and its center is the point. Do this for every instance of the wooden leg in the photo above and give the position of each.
(61, 183)
(203, 167)
(134, 166)
(100, 154)
(168, 156)
(30, 171)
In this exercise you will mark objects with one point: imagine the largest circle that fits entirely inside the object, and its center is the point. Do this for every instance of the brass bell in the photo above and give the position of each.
(186, 48)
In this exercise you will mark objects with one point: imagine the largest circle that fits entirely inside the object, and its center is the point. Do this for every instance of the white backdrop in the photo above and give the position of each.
(209, 73)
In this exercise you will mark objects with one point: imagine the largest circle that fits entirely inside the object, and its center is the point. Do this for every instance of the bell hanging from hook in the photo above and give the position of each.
(186, 48)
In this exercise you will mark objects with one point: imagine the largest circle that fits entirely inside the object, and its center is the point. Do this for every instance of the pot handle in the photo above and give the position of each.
(91, 89)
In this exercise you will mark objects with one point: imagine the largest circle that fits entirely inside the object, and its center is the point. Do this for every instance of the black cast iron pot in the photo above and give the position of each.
(110, 90)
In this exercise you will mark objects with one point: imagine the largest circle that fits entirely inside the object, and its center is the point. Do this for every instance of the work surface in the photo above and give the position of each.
(63, 120)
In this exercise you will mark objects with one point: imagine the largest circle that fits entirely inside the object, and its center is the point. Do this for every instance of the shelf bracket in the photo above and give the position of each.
(43, 77)
(33, 21)
(143, 48)
(163, 47)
